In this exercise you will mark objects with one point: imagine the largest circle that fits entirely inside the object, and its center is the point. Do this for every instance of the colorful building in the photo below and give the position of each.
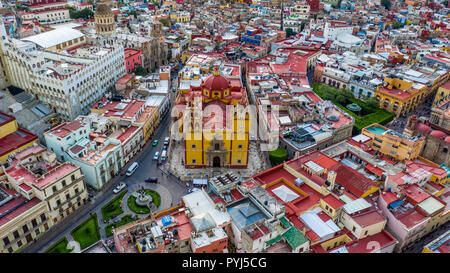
(13, 138)
(100, 157)
(133, 59)
(392, 144)
(214, 139)
(439, 245)
(400, 96)
(442, 94)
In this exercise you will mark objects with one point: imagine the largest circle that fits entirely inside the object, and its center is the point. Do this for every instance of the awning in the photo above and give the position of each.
(375, 170)
(198, 181)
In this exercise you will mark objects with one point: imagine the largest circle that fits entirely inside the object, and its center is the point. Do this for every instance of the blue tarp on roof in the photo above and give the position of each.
(166, 220)
(395, 204)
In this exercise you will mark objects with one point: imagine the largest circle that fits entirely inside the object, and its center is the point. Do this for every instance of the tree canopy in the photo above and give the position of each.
(85, 13)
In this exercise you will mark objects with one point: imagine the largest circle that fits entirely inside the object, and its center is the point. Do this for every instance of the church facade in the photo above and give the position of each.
(214, 122)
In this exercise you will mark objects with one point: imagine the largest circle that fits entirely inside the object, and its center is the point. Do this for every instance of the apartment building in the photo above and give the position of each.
(36, 192)
(35, 171)
(67, 83)
(393, 144)
(100, 157)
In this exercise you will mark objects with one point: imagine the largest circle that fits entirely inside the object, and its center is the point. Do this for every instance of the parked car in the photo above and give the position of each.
(166, 141)
(155, 142)
(132, 168)
(119, 187)
(151, 180)
(156, 156)
(163, 155)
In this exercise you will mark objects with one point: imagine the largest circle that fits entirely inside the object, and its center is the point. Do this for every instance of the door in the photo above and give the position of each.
(216, 162)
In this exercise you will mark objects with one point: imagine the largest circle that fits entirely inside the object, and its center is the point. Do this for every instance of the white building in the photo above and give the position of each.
(68, 83)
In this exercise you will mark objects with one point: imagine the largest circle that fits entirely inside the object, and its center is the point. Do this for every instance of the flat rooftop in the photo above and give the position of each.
(16, 140)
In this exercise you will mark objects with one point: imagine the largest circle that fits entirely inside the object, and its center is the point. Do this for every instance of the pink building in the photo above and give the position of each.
(133, 59)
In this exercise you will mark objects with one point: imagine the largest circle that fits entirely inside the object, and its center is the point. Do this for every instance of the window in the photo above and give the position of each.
(365, 233)
(217, 146)
(19, 243)
(64, 183)
(239, 161)
(34, 222)
(194, 161)
(29, 238)
(326, 207)
(6, 241)
(354, 229)
(58, 202)
(54, 189)
(25, 229)
(43, 218)
(37, 231)
(240, 146)
(193, 146)
(67, 196)
(16, 234)
(73, 177)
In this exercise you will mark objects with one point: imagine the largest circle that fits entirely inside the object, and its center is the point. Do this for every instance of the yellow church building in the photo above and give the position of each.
(215, 123)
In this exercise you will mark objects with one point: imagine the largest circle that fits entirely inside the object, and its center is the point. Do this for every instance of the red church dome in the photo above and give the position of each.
(438, 134)
(423, 128)
(216, 82)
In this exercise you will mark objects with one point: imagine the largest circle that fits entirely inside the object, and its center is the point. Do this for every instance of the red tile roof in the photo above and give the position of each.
(9, 210)
(66, 128)
(370, 218)
(352, 180)
(16, 140)
(333, 201)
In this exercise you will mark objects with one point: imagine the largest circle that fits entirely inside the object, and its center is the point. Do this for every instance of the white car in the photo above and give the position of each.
(156, 156)
(119, 187)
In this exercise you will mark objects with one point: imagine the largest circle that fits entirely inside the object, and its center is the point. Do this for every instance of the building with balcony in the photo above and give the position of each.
(35, 171)
(100, 157)
(392, 144)
(67, 83)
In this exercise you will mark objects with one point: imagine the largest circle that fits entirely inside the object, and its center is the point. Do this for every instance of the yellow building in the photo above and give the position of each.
(442, 94)
(180, 17)
(438, 245)
(392, 144)
(149, 121)
(13, 138)
(214, 123)
(400, 96)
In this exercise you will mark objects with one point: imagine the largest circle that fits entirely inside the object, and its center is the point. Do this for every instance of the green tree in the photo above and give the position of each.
(328, 95)
(85, 13)
(397, 25)
(165, 22)
(372, 102)
(289, 32)
(20, 7)
(347, 93)
(140, 71)
(277, 156)
(341, 99)
(386, 3)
